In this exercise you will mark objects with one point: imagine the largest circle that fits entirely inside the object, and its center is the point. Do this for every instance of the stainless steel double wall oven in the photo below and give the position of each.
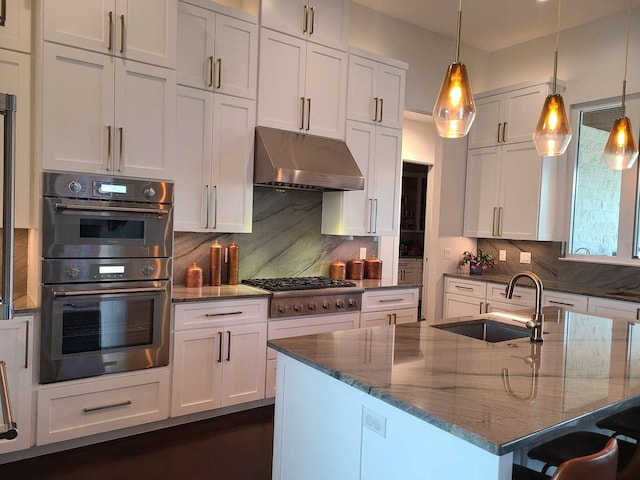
(107, 246)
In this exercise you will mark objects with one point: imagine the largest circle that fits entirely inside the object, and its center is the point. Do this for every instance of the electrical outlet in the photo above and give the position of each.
(374, 421)
(447, 253)
(363, 252)
(502, 255)
(525, 257)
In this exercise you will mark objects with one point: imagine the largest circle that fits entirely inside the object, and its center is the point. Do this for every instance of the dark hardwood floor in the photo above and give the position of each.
(237, 446)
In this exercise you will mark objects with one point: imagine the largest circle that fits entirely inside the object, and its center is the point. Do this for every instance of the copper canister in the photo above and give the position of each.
(337, 270)
(193, 276)
(233, 264)
(216, 263)
(355, 269)
(373, 268)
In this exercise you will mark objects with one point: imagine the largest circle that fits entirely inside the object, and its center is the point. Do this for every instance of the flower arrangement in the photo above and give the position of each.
(477, 263)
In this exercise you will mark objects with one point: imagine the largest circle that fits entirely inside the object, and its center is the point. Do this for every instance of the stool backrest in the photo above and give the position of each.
(601, 465)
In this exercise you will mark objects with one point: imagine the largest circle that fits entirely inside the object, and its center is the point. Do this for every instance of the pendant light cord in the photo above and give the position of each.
(626, 57)
(555, 57)
(458, 34)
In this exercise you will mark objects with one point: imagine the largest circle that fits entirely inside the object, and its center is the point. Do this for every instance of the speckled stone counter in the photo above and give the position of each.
(499, 396)
(180, 293)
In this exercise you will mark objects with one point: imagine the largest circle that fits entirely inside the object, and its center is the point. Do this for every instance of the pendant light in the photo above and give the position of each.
(621, 150)
(553, 133)
(455, 110)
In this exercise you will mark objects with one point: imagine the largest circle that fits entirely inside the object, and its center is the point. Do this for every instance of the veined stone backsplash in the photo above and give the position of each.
(20, 262)
(546, 264)
(285, 241)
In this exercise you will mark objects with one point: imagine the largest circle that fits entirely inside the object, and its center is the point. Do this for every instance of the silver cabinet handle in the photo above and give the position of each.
(388, 319)
(499, 128)
(481, 307)
(100, 208)
(313, 20)
(554, 302)
(210, 61)
(381, 110)
(120, 158)
(109, 159)
(493, 223)
(308, 114)
(467, 289)
(389, 300)
(305, 26)
(3, 13)
(375, 113)
(106, 407)
(637, 313)
(228, 346)
(222, 314)
(110, 43)
(26, 347)
(219, 82)
(11, 428)
(504, 132)
(121, 33)
(375, 216)
(220, 345)
(204, 202)
(215, 206)
(110, 291)
(487, 307)
(513, 296)
(500, 210)
(301, 113)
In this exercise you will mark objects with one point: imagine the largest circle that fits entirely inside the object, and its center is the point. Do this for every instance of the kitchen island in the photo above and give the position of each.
(413, 401)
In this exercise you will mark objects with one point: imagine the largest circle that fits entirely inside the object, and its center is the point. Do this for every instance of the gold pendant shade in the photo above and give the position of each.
(454, 110)
(553, 132)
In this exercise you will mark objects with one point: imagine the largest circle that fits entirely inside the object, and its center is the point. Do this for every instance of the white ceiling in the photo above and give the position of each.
(495, 24)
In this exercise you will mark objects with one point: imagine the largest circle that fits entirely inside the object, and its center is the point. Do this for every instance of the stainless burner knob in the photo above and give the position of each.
(340, 303)
(297, 307)
(325, 305)
(312, 306)
(282, 308)
(353, 302)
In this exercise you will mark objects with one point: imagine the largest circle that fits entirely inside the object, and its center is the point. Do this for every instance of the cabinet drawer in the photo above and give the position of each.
(87, 407)
(523, 296)
(565, 300)
(469, 288)
(207, 314)
(389, 299)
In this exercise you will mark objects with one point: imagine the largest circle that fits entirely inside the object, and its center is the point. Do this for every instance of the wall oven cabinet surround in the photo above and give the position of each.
(214, 184)
(511, 193)
(106, 269)
(217, 52)
(141, 30)
(16, 351)
(375, 210)
(508, 115)
(320, 21)
(375, 89)
(80, 408)
(219, 354)
(15, 30)
(302, 86)
(107, 115)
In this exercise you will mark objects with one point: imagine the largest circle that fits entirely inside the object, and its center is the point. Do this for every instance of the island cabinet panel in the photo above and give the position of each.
(358, 436)
(16, 351)
(219, 354)
(101, 404)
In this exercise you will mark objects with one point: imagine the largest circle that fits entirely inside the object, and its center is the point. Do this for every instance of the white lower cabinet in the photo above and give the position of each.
(16, 350)
(85, 407)
(295, 327)
(389, 307)
(410, 271)
(565, 300)
(614, 308)
(219, 354)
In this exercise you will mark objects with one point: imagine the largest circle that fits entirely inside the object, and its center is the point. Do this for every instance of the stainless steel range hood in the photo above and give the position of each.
(293, 160)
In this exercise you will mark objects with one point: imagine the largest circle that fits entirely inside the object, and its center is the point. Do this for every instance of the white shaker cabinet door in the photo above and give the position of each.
(329, 22)
(286, 16)
(362, 90)
(145, 118)
(386, 181)
(15, 34)
(77, 110)
(482, 200)
(236, 57)
(391, 87)
(196, 29)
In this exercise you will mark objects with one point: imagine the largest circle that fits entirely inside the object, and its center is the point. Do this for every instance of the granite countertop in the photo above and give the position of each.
(557, 286)
(369, 284)
(578, 374)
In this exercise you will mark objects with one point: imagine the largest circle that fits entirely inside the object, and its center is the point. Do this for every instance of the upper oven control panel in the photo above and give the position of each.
(84, 270)
(102, 187)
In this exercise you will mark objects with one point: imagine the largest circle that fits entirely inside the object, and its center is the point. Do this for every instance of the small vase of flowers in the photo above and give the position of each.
(477, 262)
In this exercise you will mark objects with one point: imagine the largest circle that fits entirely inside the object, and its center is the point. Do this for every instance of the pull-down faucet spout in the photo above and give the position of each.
(536, 324)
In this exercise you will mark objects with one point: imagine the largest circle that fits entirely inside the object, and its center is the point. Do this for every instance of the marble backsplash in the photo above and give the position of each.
(20, 263)
(546, 263)
(285, 241)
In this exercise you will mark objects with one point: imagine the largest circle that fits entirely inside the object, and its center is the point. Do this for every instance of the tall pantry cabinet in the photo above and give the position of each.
(109, 87)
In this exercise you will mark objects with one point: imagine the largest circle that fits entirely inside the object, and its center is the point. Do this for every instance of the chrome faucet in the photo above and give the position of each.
(536, 324)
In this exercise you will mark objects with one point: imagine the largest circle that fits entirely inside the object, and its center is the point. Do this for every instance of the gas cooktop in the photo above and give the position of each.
(297, 283)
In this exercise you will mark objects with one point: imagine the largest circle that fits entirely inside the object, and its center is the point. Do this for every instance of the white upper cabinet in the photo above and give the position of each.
(107, 115)
(375, 210)
(214, 184)
(507, 117)
(141, 30)
(321, 21)
(302, 86)
(15, 28)
(510, 193)
(217, 52)
(376, 90)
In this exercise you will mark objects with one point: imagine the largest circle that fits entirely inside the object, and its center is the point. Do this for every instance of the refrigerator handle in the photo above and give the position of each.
(8, 109)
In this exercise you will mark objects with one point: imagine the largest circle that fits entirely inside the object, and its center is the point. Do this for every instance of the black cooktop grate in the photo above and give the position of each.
(296, 283)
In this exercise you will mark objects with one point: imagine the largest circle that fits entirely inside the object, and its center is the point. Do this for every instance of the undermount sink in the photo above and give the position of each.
(485, 329)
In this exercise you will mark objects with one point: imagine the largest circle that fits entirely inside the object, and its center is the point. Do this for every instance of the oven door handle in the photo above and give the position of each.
(102, 291)
(11, 431)
(92, 208)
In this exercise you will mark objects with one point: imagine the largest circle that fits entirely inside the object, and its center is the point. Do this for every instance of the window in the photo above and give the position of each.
(604, 208)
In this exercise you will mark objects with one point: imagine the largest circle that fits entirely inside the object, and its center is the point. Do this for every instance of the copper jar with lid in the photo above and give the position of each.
(193, 276)
(355, 269)
(337, 270)
(215, 264)
(233, 264)
(373, 268)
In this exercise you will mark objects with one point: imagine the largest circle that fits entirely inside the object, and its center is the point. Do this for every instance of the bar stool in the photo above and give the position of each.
(601, 465)
(626, 422)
